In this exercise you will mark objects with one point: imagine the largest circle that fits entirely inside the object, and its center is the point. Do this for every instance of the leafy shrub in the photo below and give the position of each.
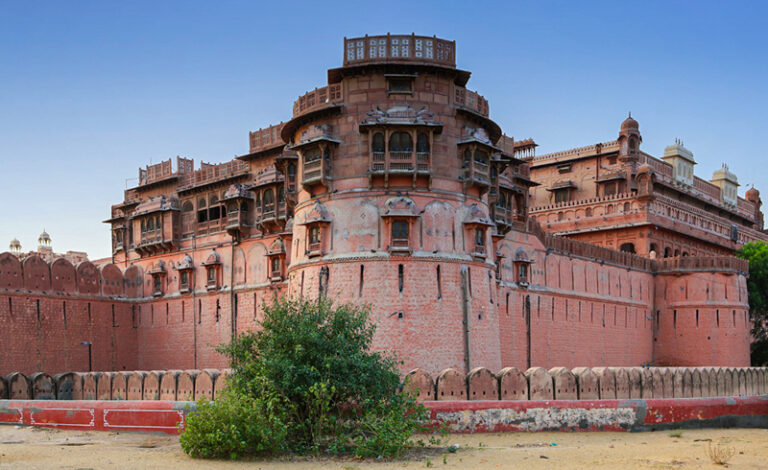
(311, 376)
(236, 425)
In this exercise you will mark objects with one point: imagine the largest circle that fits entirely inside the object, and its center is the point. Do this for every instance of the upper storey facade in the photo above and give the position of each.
(395, 119)
(615, 195)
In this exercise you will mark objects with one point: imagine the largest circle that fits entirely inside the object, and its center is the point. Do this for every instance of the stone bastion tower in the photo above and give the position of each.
(397, 163)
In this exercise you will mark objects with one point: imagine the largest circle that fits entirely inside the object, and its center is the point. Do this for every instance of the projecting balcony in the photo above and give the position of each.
(153, 241)
(237, 222)
(502, 216)
(272, 216)
(477, 174)
(314, 173)
(406, 162)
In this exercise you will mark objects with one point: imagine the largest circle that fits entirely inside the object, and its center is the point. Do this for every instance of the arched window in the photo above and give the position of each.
(244, 206)
(258, 199)
(213, 199)
(627, 247)
(143, 226)
(560, 216)
(280, 195)
(232, 208)
(400, 142)
(467, 157)
(667, 252)
(588, 212)
(422, 143)
(291, 171)
(626, 207)
(653, 247)
(150, 224)
(685, 253)
(677, 253)
(187, 207)
(609, 209)
(378, 143)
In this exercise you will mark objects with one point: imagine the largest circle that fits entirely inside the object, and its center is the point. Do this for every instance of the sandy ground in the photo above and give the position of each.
(38, 448)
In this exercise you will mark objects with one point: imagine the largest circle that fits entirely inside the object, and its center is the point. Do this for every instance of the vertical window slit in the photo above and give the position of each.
(400, 281)
(362, 280)
(439, 287)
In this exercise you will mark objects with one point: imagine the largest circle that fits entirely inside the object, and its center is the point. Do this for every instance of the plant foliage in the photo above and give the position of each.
(757, 286)
(310, 383)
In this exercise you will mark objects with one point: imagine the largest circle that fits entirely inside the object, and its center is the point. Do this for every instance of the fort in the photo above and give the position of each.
(392, 186)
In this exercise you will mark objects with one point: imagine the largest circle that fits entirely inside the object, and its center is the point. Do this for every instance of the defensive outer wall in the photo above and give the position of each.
(583, 306)
(584, 399)
(403, 195)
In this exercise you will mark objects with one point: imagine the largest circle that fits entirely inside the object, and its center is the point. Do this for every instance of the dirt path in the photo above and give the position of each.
(38, 448)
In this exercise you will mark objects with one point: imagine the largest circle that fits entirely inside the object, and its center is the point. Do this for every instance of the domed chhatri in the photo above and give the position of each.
(15, 246)
(752, 194)
(630, 123)
(44, 241)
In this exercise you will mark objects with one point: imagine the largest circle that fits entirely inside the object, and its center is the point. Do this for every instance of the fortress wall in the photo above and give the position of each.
(45, 332)
(48, 310)
(582, 312)
(422, 324)
(701, 318)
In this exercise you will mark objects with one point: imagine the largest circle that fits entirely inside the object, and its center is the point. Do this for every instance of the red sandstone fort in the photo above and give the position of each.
(392, 186)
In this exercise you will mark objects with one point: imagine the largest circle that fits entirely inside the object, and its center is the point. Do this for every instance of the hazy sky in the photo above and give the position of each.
(91, 91)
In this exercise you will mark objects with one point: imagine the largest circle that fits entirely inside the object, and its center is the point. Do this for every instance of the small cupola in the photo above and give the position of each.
(629, 140)
(15, 246)
(44, 242)
(682, 162)
(728, 184)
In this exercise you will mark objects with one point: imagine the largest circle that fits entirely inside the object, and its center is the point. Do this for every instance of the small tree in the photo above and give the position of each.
(757, 287)
(310, 375)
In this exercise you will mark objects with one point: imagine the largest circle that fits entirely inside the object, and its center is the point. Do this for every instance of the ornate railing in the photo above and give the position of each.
(470, 100)
(399, 48)
(212, 173)
(317, 99)
(265, 138)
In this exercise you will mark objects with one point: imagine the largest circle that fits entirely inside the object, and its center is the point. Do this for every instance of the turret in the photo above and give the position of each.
(44, 242)
(629, 141)
(728, 184)
(682, 162)
(753, 196)
(15, 247)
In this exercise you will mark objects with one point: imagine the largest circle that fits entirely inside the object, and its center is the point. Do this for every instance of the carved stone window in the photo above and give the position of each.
(522, 268)
(212, 271)
(276, 260)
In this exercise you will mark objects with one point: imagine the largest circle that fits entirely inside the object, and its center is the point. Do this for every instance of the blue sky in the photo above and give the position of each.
(91, 91)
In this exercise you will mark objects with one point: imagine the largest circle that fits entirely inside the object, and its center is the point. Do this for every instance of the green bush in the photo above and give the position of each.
(236, 425)
(316, 386)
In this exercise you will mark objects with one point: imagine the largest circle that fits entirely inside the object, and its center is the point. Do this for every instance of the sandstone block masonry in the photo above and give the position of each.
(390, 186)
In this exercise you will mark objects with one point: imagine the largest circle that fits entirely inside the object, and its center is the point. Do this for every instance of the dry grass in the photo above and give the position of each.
(720, 454)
